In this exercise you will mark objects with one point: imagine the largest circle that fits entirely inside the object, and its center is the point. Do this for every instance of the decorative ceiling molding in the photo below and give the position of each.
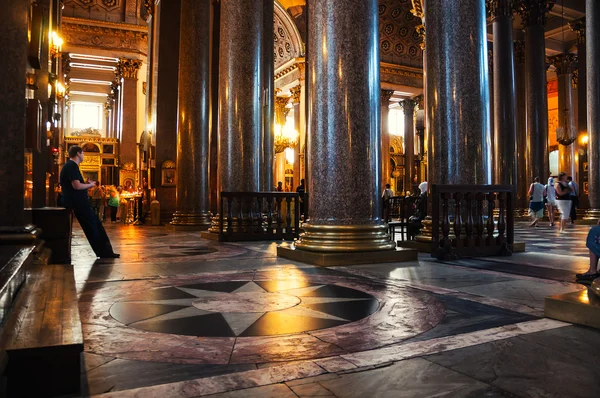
(287, 44)
(399, 41)
(110, 36)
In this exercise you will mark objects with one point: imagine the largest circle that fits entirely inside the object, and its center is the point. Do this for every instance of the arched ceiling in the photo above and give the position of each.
(287, 41)
(398, 38)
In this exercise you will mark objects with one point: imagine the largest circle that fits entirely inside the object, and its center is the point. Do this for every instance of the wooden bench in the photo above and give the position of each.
(42, 335)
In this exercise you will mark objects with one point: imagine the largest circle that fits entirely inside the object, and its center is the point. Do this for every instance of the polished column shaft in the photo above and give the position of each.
(504, 109)
(13, 41)
(128, 71)
(268, 82)
(523, 181)
(408, 106)
(565, 64)
(592, 39)
(344, 155)
(457, 92)
(240, 94)
(533, 13)
(193, 126)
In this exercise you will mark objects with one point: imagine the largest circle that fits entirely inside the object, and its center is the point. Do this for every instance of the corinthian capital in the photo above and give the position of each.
(281, 110)
(564, 63)
(408, 106)
(385, 96)
(578, 26)
(128, 68)
(533, 12)
(500, 8)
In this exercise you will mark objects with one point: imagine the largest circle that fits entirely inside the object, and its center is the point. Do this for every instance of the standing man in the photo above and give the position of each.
(300, 190)
(74, 196)
(574, 198)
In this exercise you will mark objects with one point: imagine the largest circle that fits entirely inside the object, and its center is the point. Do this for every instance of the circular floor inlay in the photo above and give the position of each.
(244, 308)
(246, 302)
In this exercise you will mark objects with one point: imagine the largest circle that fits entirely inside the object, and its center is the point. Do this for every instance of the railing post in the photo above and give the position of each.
(458, 221)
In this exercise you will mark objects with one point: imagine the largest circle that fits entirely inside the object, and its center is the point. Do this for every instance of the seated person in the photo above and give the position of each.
(593, 244)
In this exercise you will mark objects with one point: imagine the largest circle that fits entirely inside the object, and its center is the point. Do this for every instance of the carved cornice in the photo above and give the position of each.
(534, 12)
(386, 95)
(519, 48)
(400, 70)
(578, 27)
(500, 8)
(564, 63)
(105, 35)
(289, 67)
(296, 91)
(128, 68)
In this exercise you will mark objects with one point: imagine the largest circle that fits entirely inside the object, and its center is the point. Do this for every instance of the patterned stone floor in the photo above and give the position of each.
(179, 316)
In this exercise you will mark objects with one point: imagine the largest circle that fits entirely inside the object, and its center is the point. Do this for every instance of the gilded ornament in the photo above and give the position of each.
(296, 92)
(128, 68)
(564, 63)
(534, 12)
(578, 27)
(500, 8)
(386, 95)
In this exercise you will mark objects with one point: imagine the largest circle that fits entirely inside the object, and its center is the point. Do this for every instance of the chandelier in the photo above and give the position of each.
(564, 135)
(285, 137)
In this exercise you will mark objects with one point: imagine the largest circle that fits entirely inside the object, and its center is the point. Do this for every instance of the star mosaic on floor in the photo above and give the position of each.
(244, 308)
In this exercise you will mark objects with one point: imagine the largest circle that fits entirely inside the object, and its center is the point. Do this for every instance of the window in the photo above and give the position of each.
(87, 115)
(396, 122)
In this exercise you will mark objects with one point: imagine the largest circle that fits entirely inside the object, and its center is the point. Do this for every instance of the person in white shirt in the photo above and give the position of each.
(536, 201)
(551, 200)
(574, 198)
(423, 187)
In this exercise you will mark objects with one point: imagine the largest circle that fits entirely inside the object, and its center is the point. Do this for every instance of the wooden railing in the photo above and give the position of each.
(249, 216)
(463, 222)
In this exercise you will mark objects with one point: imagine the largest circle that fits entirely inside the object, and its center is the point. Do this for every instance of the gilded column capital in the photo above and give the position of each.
(147, 9)
(296, 91)
(281, 111)
(408, 106)
(386, 95)
(128, 68)
(519, 49)
(534, 12)
(500, 8)
(66, 64)
(575, 78)
(578, 26)
(564, 63)
(417, 9)
(420, 100)
(114, 88)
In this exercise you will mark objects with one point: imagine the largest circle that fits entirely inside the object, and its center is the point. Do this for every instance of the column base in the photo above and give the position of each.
(190, 221)
(323, 259)
(345, 238)
(592, 216)
(581, 307)
(23, 235)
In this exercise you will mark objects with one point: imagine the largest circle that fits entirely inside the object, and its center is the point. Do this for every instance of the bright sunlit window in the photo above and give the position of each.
(396, 122)
(87, 114)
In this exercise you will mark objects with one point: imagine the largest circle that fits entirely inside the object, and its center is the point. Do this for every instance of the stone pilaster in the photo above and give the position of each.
(344, 113)
(127, 71)
(459, 150)
(566, 133)
(385, 136)
(592, 41)
(408, 106)
(194, 113)
(533, 14)
(504, 93)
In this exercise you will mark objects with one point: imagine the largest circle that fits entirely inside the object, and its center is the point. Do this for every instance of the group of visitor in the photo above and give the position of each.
(561, 194)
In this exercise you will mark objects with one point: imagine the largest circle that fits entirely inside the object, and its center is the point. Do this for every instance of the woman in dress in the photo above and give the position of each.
(551, 200)
(563, 199)
(536, 201)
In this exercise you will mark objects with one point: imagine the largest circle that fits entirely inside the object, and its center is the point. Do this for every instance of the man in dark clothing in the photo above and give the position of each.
(301, 191)
(75, 197)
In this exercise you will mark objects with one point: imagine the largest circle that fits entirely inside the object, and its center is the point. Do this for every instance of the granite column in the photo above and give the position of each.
(385, 136)
(193, 193)
(567, 131)
(13, 41)
(344, 155)
(268, 99)
(504, 110)
(533, 14)
(592, 40)
(240, 96)
(408, 106)
(457, 92)
(523, 181)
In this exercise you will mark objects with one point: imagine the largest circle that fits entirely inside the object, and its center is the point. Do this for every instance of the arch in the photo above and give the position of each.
(287, 43)
(90, 147)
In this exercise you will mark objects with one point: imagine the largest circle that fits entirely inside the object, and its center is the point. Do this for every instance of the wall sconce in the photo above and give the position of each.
(56, 43)
(60, 91)
(31, 81)
(584, 139)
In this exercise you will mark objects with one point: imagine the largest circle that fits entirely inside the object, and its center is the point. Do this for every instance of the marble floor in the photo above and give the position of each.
(180, 316)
